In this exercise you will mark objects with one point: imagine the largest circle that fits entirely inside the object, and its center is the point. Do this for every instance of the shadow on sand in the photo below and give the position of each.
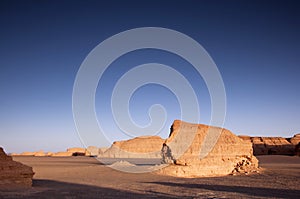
(55, 189)
(251, 191)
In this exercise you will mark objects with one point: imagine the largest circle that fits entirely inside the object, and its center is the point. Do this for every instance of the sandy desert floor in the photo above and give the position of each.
(85, 177)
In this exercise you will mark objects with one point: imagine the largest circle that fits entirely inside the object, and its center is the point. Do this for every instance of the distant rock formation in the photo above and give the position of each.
(40, 154)
(27, 153)
(102, 150)
(14, 174)
(37, 154)
(49, 154)
(62, 154)
(229, 155)
(139, 147)
(77, 151)
(273, 145)
(92, 151)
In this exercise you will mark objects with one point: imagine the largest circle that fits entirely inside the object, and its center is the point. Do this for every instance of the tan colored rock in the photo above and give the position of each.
(14, 174)
(245, 138)
(278, 146)
(270, 145)
(92, 151)
(273, 145)
(27, 153)
(77, 151)
(37, 154)
(229, 155)
(295, 140)
(40, 154)
(15, 154)
(62, 154)
(49, 154)
(102, 151)
(139, 147)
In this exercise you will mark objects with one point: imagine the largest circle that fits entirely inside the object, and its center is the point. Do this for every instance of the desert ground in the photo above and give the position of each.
(86, 177)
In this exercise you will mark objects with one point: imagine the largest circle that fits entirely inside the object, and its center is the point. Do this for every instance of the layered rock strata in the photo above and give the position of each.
(190, 153)
(139, 147)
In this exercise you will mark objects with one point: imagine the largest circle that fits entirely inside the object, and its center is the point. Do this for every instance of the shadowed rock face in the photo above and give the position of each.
(295, 140)
(139, 147)
(273, 145)
(77, 151)
(229, 155)
(297, 149)
(14, 174)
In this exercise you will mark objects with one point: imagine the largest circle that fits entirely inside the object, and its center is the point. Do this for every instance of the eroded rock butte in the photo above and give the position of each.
(229, 154)
(139, 147)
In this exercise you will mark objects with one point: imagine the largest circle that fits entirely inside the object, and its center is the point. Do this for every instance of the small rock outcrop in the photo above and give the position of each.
(139, 147)
(229, 154)
(14, 174)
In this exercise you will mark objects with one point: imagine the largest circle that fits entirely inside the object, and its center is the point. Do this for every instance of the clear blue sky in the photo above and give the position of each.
(255, 44)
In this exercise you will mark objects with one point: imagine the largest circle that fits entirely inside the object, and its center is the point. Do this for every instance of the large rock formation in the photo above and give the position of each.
(273, 145)
(139, 147)
(14, 174)
(229, 155)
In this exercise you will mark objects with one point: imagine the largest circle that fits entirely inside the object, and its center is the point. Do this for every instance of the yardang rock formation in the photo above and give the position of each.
(229, 155)
(273, 145)
(139, 147)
